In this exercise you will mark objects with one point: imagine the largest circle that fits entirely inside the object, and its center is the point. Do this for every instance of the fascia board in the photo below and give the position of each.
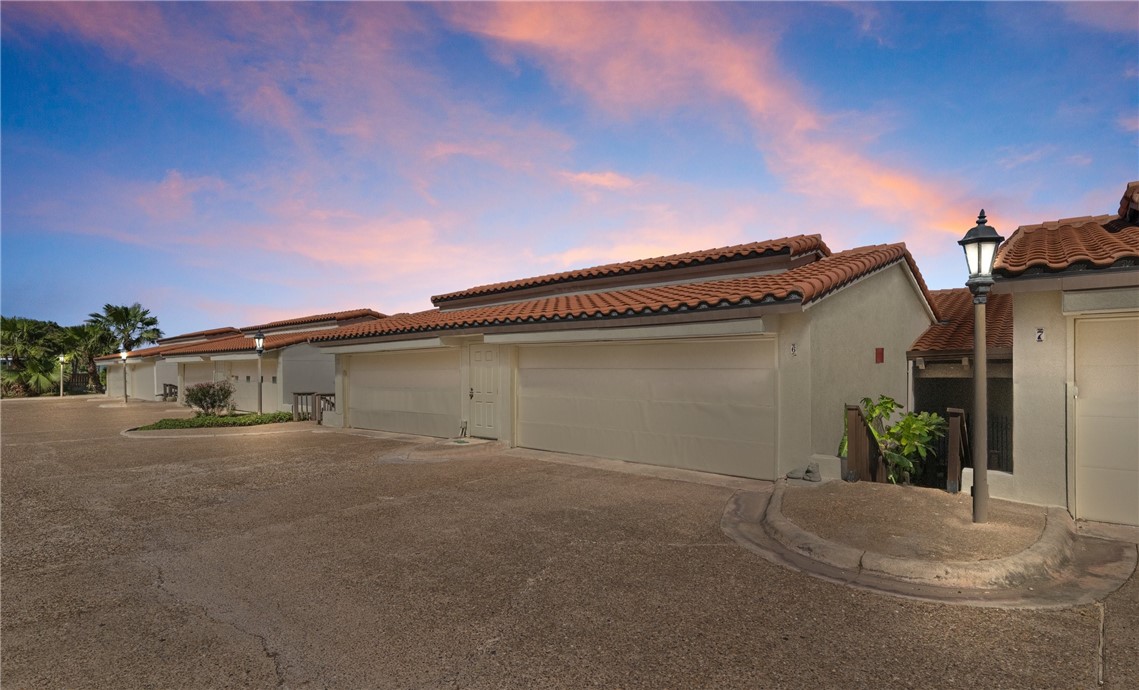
(690, 330)
(394, 346)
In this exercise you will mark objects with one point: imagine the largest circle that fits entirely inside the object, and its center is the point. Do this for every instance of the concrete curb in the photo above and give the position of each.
(220, 431)
(1051, 552)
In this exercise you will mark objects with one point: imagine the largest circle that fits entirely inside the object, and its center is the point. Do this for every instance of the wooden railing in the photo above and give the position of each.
(863, 460)
(959, 449)
(311, 405)
(76, 382)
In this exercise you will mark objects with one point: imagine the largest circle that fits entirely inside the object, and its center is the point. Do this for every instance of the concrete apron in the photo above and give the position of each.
(1061, 569)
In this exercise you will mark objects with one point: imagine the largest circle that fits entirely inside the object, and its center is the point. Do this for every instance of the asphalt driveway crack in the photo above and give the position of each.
(270, 654)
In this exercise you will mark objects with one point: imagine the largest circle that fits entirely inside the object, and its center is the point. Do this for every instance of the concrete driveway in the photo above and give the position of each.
(303, 558)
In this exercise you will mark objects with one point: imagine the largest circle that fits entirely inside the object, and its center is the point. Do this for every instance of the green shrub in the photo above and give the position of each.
(904, 443)
(211, 398)
(212, 421)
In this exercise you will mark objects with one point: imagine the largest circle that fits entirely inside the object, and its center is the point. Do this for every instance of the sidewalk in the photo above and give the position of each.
(922, 543)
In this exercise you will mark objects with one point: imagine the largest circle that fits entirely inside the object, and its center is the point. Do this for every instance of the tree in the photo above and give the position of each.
(36, 377)
(130, 326)
(29, 348)
(85, 342)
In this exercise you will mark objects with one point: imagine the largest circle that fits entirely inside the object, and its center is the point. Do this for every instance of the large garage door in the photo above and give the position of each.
(704, 405)
(406, 392)
(1107, 407)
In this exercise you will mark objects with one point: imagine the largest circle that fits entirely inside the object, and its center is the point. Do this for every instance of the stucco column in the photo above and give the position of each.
(181, 383)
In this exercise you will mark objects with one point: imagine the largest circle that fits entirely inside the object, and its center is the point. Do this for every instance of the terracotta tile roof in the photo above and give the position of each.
(954, 333)
(792, 246)
(143, 352)
(213, 332)
(1089, 242)
(242, 343)
(801, 285)
(317, 318)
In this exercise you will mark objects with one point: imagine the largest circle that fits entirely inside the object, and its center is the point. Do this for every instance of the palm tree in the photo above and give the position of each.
(37, 376)
(131, 326)
(85, 342)
(21, 340)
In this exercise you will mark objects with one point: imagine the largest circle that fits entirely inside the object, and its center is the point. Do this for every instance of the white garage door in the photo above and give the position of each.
(406, 392)
(1107, 410)
(704, 405)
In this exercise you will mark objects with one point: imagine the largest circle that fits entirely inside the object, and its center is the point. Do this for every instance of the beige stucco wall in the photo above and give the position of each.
(243, 374)
(144, 379)
(884, 310)
(1040, 405)
(305, 368)
(198, 372)
(793, 416)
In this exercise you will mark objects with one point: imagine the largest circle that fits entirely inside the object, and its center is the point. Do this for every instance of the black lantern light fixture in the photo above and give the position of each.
(259, 344)
(980, 245)
(123, 356)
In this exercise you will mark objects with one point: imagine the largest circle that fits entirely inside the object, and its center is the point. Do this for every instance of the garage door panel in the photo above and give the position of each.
(412, 393)
(1110, 443)
(1108, 495)
(1107, 407)
(1111, 384)
(699, 405)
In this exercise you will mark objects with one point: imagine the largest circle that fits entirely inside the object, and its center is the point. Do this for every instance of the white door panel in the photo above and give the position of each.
(484, 393)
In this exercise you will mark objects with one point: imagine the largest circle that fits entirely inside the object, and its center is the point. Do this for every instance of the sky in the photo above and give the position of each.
(228, 164)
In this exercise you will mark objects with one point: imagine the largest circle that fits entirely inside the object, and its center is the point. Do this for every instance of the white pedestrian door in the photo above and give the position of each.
(1107, 408)
(484, 391)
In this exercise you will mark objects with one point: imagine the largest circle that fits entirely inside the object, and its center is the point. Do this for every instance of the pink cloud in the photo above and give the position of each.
(173, 197)
(642, 58)
(1120, 17)
(1128, 123)
(605, 180)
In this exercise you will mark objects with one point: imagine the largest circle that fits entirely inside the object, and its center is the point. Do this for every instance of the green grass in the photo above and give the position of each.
(211, 421)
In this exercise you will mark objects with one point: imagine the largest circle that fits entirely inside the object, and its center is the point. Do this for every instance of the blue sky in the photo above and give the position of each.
(230, 164)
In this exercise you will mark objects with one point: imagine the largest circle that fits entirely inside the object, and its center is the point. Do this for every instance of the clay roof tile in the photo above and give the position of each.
(804, 284)
(794, 246)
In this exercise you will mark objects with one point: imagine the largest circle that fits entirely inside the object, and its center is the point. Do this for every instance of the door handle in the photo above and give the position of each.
(472, 394)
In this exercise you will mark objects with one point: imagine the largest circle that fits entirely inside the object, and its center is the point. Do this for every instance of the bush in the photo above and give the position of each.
(211, 421)
(211, 398)
(905, 443)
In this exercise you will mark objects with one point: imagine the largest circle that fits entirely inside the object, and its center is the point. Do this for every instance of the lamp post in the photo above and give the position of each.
(259, 343)
(62, 359)
(123, 355)
(980, 245)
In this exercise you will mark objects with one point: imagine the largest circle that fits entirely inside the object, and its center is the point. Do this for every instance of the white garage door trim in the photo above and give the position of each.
(707, 404)
(1106, 355)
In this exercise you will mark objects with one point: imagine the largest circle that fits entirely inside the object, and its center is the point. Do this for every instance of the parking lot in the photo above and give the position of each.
(296, 556)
